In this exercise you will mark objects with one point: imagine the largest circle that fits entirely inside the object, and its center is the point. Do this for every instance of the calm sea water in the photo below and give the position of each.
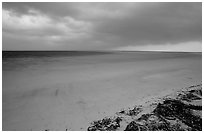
(37, 54)
(33, 54)
(12, 60)
(15, 60)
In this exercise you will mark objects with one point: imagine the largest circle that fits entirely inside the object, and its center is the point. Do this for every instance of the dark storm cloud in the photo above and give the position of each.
(89, 26)
(162, 23)
(49, 8)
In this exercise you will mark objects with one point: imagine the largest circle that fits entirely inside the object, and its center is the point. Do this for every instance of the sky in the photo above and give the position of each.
(102, 26)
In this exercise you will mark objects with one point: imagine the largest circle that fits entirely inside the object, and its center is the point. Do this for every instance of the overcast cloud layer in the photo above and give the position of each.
(102, 26)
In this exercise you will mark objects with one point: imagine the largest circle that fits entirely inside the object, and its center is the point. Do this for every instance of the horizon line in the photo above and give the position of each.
(99, 51)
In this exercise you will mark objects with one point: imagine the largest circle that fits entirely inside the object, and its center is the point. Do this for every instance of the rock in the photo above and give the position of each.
(134, 111)
(180, 112)
(176, 109)
(133, 126)
(109, 124)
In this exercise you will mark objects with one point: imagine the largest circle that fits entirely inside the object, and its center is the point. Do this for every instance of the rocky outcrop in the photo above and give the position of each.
(109, 124)
(178, 111)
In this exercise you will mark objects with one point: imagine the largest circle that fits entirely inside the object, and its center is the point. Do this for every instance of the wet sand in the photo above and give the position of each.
(70, 92)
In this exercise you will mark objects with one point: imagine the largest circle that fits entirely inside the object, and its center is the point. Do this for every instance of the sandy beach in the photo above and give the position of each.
(69, 92)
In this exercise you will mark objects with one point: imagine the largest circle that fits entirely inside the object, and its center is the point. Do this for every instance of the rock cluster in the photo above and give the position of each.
(172, 113)
(109, 124)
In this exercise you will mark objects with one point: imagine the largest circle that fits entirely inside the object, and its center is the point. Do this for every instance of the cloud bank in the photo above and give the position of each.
(101, 26)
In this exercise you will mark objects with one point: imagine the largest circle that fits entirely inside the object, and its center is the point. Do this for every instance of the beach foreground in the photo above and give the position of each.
(177, 111)
(70, 92)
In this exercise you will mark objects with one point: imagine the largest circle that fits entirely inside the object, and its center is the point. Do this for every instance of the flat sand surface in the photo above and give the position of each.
(70, 92)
